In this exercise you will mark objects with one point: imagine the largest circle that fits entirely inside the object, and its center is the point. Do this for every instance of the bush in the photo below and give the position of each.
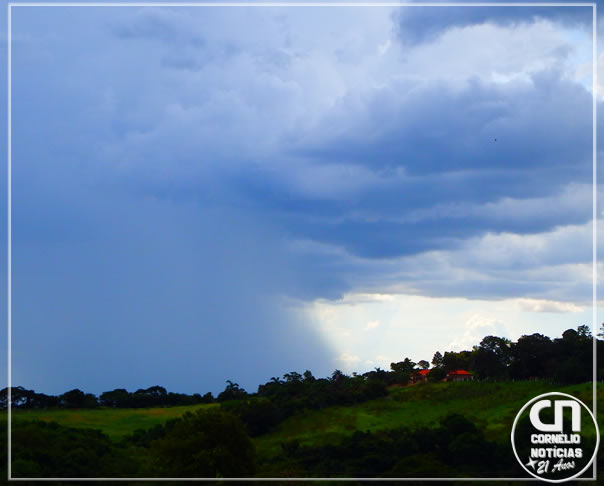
(436, 374)
(41, 449)
(258, 415)
(205, 444)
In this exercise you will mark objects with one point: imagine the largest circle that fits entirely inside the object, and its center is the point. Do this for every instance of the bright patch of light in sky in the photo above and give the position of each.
(416, 327)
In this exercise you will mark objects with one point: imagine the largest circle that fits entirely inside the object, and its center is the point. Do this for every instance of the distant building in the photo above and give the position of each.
(419, 377)
(459, 375)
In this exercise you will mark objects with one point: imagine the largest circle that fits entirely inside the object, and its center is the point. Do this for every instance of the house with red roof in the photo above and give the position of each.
(459, 375)
(420, 376)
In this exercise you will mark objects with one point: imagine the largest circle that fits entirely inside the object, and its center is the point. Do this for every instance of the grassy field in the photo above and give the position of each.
(492, 406)
(115, 422)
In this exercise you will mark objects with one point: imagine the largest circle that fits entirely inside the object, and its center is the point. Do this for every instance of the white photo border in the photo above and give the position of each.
(11, 5)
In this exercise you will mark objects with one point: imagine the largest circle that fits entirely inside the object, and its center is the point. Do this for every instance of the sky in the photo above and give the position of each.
(203, 194)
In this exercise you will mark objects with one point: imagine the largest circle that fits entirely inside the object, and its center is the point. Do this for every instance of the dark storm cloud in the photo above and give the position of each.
(177, 173)
(151, 291)
(448, 152)
(417, 25)
(135, 282)
(482, 126)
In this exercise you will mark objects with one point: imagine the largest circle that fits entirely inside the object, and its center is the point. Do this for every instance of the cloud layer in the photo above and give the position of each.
(184, 178)
(417, 25)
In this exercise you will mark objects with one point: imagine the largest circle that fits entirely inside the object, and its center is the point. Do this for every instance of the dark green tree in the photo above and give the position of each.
(573, 363)
(117, 398)
(533, 356)
(205, 444)
(436, 374)
(258, 414)
(232, 392)
(78, 399)
(308, 377)
(437, 360)
(338, 377)
(405, 366)
(47, 449)
(584, 331)
(490, 360)
(457, 361)
(423, 364)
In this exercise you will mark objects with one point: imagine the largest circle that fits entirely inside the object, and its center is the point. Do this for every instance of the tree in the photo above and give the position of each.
(20, 397)
(77, 399)
(500, 346)
(205, 444)
(436, 374)
(47, 449)
(405, 366)
(308, 377)
(423, 364)
(533, 356)
(232, 392)
(149, 397)
(492, 357)
(337, 376)
(457, 361)
(258, 415)
(292, 377)
(207, 398)
(116, 398)
(486, 364)
(437, 360)
(573, 356)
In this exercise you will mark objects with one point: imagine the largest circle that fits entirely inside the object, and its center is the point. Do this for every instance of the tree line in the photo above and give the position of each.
(564, 360)
(155, 396)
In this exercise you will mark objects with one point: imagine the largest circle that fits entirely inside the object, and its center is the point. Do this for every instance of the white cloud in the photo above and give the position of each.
(540, 305)
(554, 265)
(497, 53)
(348, 359)
(359, 298)
(416, 327)
(372, 325)
(384, 361)
(476, 328)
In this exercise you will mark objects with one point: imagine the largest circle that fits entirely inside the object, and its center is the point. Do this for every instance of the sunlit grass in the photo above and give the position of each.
(492, 406)
(115, 422)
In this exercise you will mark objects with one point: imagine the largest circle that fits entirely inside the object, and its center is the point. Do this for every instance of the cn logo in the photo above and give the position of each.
(559, 406)
(545, 447)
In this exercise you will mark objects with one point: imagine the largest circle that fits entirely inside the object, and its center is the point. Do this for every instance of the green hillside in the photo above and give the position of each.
(115, 422)
(369, 425)
(375, 437)
(492, 406)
